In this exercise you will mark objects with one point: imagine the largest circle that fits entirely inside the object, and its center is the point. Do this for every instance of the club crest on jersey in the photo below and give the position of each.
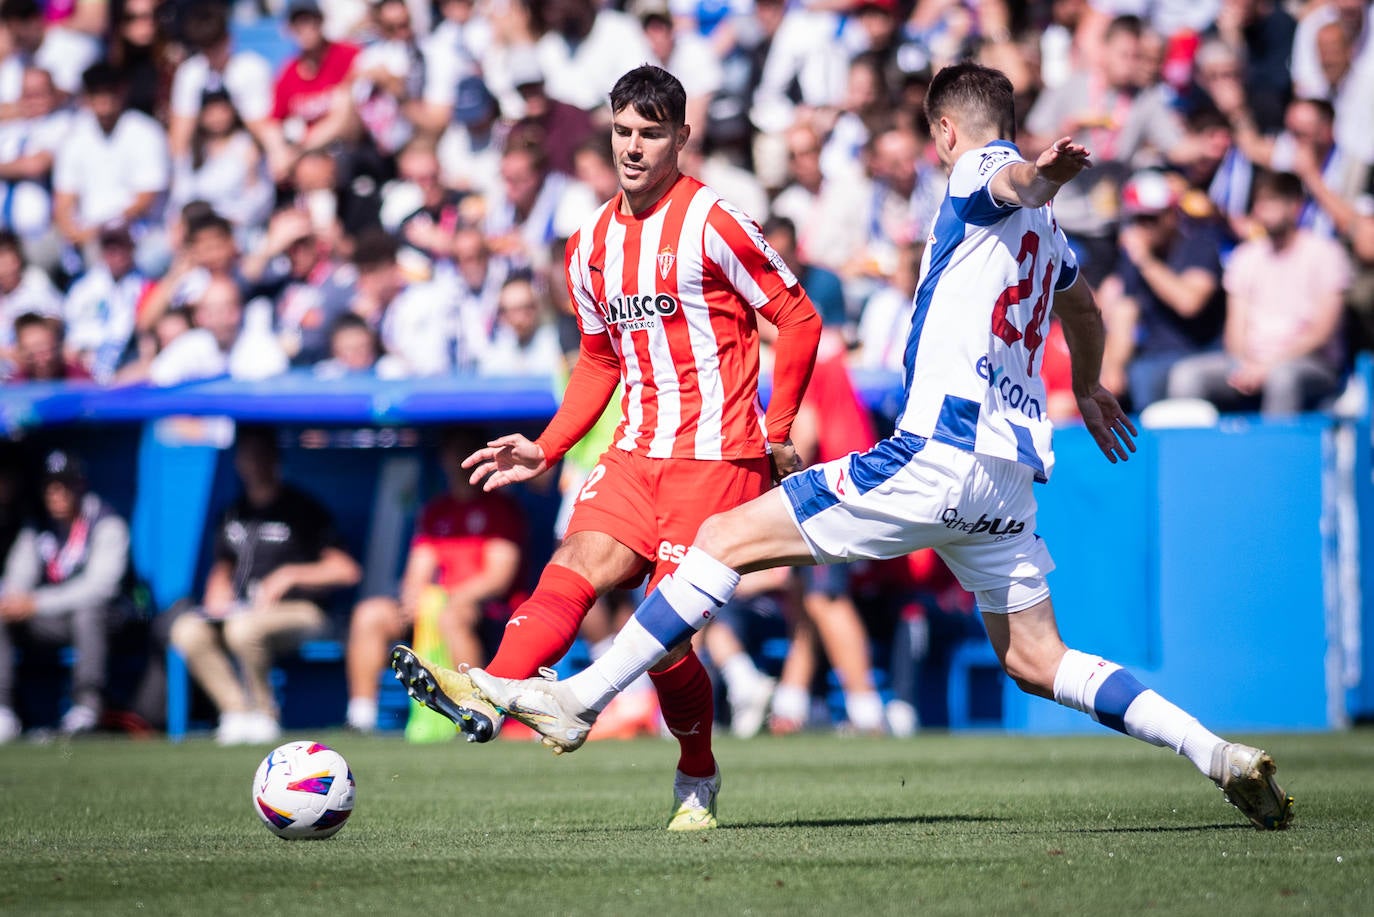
(666, 259)
(638, 311)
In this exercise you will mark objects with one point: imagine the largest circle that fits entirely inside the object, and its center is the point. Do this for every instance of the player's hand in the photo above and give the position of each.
(273, 587)
(15, 608)
(1248, 378)
(1063, 160)
(1109, 425)
(508, 460)
(785, 459)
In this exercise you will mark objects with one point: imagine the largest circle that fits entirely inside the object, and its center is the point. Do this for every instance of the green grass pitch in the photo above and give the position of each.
(813, 824)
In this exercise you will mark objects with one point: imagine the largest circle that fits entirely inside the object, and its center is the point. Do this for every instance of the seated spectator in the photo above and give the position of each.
(390, 97)
(214, 346)
(583, 50)
(354, 350)
(1171, 304)
(828, 210)
(564, 127)
(1260, 36)
(24, 289)
(463, 567)
(681, 52)
(277, 558)
(525, 341)
(141, 48)
(885, 323)
(519, 222)
(474, 278)
(1331, 176)
(112, 168)
(67, 582)
(214, 64)
(102, 304)
(1283, 350)
(28, 145)
(1105, 107)
(310, 100)
(899, 206)
(469, 149)
(295, 269)
(38, 352)
(337, 208)
(223, 167)
(207, 252)
(148, 344)
(32, 41)
(821, 285)
(429, 214)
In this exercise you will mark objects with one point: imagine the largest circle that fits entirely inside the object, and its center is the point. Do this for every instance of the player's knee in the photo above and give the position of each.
(241, 634)
(719, 537)
(190, 633)
(1030, 671)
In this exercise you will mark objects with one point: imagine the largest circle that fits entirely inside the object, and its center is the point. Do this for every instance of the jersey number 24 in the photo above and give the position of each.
(1001, 323)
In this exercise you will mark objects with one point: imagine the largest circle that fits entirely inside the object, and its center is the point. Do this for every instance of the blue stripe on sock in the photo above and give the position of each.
(656, 615)
(1114, 697)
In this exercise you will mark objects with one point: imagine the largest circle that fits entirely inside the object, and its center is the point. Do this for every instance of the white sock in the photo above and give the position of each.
(629, 657)
(681, 605)
(792, 703)
(740, 674)
(1153, 719)
(362, 712)
(1146, 715)
(864, 709)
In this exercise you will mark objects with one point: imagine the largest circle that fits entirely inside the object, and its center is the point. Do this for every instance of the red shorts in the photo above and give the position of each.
(655, 506)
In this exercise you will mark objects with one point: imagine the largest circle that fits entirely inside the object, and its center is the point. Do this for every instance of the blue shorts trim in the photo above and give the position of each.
(878, 465)
(808, 493)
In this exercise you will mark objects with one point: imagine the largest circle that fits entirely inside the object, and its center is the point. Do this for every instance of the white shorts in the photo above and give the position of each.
(908, 493)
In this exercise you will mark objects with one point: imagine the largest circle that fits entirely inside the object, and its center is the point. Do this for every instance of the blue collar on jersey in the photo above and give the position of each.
(1008, 144)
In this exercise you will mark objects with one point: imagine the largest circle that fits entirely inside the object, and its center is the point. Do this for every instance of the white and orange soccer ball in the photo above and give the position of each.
(303, 790)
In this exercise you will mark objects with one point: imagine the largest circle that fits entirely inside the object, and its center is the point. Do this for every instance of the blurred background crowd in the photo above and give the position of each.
(194, 188)
(384, 188)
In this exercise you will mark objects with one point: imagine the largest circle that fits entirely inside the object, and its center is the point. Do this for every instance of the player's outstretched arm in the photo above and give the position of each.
(1111, 429)
(507, 460)
(1034, 184)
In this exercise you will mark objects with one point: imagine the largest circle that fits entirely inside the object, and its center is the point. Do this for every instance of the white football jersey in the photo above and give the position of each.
(982, 313)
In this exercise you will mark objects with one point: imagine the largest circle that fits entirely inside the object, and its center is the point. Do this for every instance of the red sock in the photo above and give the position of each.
(688, 705)
(543, 628)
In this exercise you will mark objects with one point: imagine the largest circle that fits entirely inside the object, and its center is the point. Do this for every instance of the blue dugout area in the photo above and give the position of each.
(1227, 566)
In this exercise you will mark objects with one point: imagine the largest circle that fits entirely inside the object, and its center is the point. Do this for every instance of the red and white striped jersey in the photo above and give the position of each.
(676, 289)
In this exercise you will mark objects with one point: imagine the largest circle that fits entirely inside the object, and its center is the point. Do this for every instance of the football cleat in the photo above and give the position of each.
(447, 692)
(694, 800)
(543, 704)
(1246, 778)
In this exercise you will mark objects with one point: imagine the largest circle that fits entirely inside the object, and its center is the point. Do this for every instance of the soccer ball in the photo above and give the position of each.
(303, 790)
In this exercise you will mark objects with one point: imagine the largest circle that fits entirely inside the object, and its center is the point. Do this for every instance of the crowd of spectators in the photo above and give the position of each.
(393, 200)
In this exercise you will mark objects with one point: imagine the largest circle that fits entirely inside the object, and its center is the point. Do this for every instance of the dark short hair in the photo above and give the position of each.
(1127, 24)
(103, 76)
(349, 321)
(375, 247)
(206, 24)
(10, 242)
(777, 224)
(981, 97)
(209, 222)
(1321, 106)
(19, 10)
(39, 320)
(257, 435)
(1280, 184)
(654, 92)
